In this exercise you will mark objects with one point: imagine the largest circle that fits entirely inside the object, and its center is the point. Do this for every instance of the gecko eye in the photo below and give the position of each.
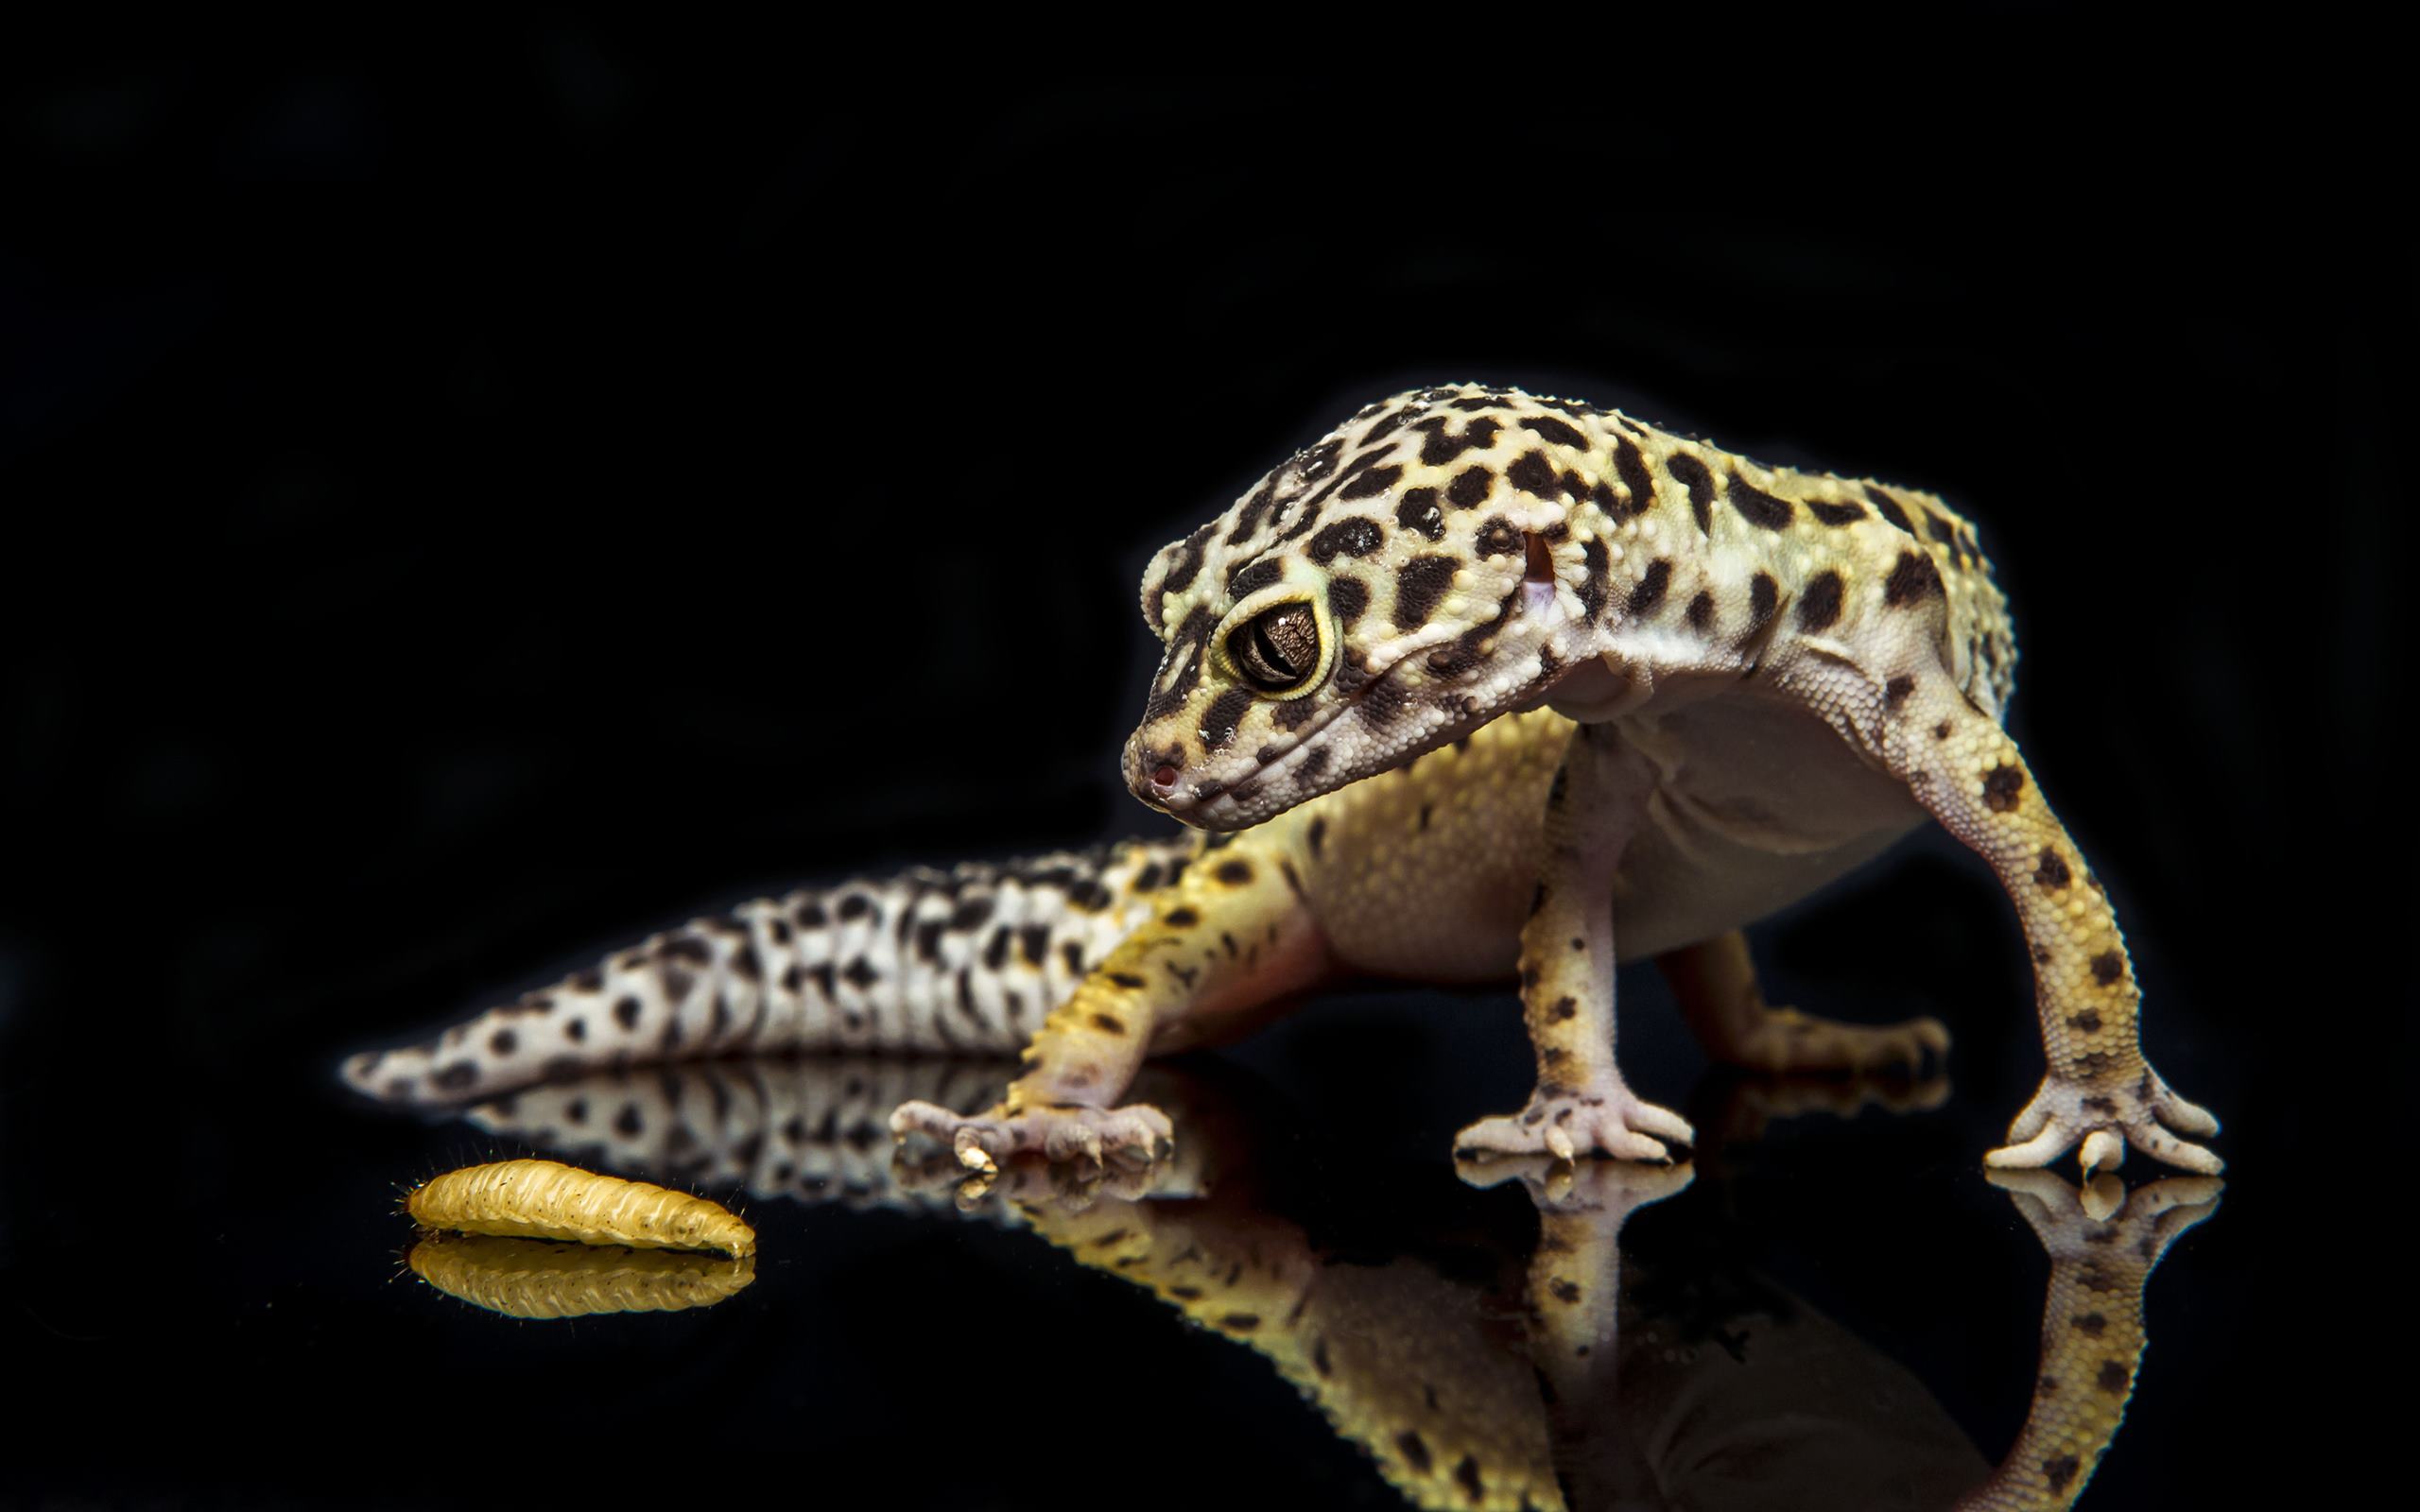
(1278, 648)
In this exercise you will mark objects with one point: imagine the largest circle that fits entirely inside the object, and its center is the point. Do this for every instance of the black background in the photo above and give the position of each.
(471, 502)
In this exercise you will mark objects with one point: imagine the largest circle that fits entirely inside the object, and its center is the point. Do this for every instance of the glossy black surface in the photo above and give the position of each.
(472, 502)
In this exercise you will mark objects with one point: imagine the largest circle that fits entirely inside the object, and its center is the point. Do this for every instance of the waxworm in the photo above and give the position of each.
(530, 1278)
(547, 1199)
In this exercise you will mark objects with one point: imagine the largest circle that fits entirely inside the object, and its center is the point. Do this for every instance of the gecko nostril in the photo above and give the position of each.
(1164, 777)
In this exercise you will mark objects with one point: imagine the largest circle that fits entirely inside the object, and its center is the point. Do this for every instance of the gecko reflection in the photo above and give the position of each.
(1473, 1376)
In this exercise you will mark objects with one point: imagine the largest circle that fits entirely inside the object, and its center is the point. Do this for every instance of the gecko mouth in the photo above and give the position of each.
(1263, 790)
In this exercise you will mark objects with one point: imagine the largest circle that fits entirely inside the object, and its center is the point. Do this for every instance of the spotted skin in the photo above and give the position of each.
(1594, 1379)
(1772, 666)
(2103, 1243)
(968, 961)
(1374, 665)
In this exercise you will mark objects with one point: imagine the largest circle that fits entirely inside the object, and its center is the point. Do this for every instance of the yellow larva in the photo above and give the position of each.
(547, 1199)
(526, 1279)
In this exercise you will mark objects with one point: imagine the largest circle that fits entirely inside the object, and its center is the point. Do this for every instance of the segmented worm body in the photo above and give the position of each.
(528, 1278)
(547, 1199)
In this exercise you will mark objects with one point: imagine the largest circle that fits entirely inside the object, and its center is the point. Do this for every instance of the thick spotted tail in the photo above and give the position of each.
(962, 962)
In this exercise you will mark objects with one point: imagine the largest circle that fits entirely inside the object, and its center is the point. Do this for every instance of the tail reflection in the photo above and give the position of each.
(1474, 1373)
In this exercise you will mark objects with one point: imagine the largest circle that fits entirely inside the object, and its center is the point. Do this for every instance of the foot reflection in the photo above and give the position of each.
(1474, 1370)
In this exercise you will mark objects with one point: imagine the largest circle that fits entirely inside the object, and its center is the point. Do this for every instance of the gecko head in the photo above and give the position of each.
(1393, 587)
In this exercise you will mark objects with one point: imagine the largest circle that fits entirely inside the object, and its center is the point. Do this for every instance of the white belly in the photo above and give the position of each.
(1756, 805)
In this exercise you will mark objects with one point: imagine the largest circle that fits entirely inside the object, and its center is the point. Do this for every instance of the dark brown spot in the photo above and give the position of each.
(1415, 1451)
(1356, 536)
(1636, 481)
(2112, 1377)
(1755, 506)
(1564, 1290)
(2051, 874)
(1895, 692)
(1126, 980)
(1564, 1008)
(1234, 874)
(1225, 714)
(1700, 483)
(2001, 785)
(1532, 474)
(1597, 562)
(2060, 1470)
(2091, 1323)
(1888, 508)
(1819, 608)
(626, 1012)
(1443, 446)
(1346, 598)
(1371, 484)
(1419, 585)
(1253, 576)
(1418, 511)
(1911, 579)
(1556, 432)
(1470, 488)
(1700, 612)
(1107, 1025)
(2088, 1021)
(1466, 1474)
(2108, 967)
(1764, 596)
(1833, 513)
(1647, 597)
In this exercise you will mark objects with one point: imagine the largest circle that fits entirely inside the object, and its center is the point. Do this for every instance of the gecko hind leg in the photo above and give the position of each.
(1716, 983)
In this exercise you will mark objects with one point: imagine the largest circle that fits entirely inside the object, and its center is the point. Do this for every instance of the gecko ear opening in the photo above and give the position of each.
(1540, 565)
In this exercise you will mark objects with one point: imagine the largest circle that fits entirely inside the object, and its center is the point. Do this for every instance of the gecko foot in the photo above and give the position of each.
(1785, 1040)
(1138, 1134)
(2101, 1219)
(1604, 1191)
(1567, 1125)
(2106, 1120)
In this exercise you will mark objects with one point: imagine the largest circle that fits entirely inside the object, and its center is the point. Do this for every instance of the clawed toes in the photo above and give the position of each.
(2064, 1115)
(1570, 1126)
(1139, 1136)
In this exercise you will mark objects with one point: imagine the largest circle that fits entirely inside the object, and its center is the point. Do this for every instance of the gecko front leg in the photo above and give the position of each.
(1580, 1104)
(2099, 1092)
(1231, 936)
